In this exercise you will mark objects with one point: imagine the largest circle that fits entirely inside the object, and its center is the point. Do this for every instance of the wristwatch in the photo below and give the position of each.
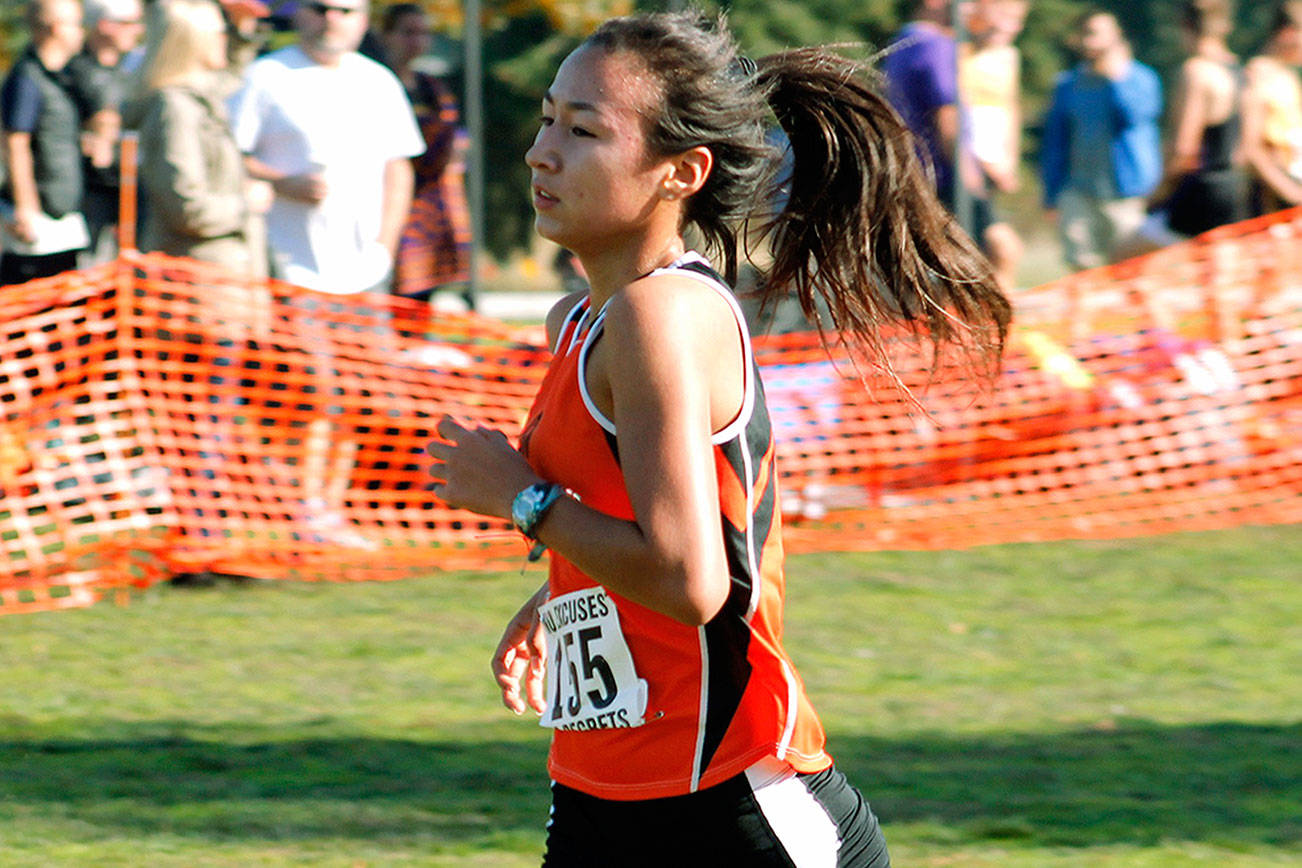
(531, 504)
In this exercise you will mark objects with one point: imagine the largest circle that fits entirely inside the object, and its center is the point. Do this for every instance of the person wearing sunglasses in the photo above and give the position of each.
(334, 134)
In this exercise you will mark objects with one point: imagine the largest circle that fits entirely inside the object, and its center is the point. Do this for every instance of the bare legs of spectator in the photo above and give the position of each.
(327, 458)
(1004, 247)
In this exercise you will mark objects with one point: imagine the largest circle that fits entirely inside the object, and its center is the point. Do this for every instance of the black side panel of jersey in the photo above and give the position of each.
(727, 641)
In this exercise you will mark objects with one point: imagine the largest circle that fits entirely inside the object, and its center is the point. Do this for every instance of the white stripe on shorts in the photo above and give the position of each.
(799, 821)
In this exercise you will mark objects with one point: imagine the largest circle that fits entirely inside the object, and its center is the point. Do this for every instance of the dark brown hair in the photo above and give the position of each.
(1287, 14)
(862, 235)
(398, 11)
(1092, 12)
(1208, 17)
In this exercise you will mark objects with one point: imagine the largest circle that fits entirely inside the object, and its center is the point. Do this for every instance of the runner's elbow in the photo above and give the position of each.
(700, 595)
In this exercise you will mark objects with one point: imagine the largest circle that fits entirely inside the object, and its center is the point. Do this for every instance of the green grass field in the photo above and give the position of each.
(1134, 703)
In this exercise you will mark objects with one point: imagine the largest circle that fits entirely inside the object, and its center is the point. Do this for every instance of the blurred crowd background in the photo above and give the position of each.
(1019, 51)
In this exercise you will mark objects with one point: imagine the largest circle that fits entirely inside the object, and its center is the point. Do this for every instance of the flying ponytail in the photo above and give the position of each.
(862, 235)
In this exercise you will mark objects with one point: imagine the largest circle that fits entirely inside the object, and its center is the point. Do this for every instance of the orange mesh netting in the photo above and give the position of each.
(159, 417)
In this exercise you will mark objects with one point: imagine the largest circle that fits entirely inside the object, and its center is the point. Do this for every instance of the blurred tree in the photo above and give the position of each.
(13, 33)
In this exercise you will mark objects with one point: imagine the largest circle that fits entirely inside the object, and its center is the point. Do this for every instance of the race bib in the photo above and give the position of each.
(591, 682)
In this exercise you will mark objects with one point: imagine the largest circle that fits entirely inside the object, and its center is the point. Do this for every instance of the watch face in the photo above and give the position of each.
(524, 505)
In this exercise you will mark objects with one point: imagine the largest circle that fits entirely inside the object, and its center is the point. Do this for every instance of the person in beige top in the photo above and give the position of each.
(199, 202)
(989, 80)
(1272, 114)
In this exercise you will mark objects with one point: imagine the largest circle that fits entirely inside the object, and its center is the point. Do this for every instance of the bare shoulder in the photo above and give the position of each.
(556, 316)
(1203, 71)
(1259, 70)
(668, 305)
(1196, 69)
(673, 341)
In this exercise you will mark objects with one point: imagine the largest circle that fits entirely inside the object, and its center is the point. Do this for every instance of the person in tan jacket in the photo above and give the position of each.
(199, 201)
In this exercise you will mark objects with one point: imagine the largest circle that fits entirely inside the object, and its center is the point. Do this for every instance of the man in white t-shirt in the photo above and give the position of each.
(334, 134)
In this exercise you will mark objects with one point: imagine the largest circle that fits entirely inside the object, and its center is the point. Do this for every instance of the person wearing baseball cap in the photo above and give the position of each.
(102, 75)
(244, 36)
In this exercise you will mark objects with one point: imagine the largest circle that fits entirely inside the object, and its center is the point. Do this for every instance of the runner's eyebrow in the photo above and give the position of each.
(573, 105)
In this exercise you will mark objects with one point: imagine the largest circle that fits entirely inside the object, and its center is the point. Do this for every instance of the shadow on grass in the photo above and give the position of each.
(1228, 784)
(356, 788)
(1225, 783)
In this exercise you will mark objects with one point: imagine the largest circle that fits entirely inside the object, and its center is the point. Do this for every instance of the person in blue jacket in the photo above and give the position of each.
(1101, 153)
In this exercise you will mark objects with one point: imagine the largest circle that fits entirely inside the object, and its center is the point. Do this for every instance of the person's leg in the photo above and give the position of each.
(1006, 251)
(862, 842)
(1078, 231)
(1004, 247)
(20, 268)
(819, 819)
(10, 269)
(101, 212)
(574, 831)
(754, 819)
(1121, 222)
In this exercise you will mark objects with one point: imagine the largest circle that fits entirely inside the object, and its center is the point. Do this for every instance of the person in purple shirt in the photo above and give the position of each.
(921, 69)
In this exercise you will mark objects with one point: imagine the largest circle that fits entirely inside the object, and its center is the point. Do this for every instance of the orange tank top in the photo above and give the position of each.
(719, 697)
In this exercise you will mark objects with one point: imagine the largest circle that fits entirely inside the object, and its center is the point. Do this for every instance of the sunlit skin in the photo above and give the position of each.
(329, 35)
(113, 38)
(1104, 47)
(213, 51)
(1207, 94)
(668, 370)
(1268, 76)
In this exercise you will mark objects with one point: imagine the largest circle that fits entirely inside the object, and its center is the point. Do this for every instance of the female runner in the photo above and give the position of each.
(682, 734)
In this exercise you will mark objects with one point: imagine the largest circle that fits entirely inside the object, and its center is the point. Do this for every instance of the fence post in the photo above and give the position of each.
(127, 195)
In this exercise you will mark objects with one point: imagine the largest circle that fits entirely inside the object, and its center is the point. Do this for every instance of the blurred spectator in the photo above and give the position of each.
(921, 69)
(333, 133)
(43, 227)
(100, 70)
(1204, 185)
(990, 75)
(1272, 114)
(435, 247)
(1101, 154)
(200, 203)
(244, 38)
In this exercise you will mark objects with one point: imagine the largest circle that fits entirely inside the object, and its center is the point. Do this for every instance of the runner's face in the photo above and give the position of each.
(593, 178)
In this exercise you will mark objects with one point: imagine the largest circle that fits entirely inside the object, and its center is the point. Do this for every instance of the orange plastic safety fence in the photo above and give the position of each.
(157, 416)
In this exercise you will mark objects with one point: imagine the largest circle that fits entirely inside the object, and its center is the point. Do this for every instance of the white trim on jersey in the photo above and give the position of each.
(803, 826)
(734, 428)
(578, 325)
(747, 462)
(793, 709)
(738, 425)
(702, 711)
(582, 373)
